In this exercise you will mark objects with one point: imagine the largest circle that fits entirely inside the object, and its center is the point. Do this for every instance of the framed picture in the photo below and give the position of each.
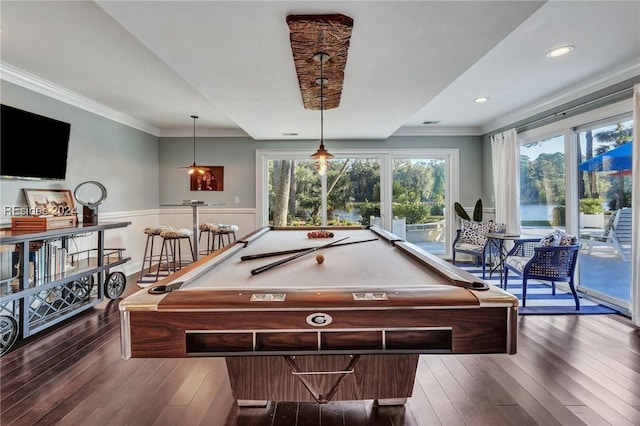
(56, 202)
(211, 180)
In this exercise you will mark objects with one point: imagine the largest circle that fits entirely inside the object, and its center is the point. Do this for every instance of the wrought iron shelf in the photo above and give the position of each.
(34, 303)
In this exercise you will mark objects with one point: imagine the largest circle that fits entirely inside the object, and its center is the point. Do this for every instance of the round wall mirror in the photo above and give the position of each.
(90, 194)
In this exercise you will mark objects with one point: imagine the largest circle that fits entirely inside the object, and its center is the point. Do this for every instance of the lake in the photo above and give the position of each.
(531, 212)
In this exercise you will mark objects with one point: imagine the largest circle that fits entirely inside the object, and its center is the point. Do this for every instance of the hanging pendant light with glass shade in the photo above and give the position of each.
(194, 168)
(321, 156)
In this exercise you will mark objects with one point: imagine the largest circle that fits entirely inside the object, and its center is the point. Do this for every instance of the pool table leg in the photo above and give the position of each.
(387, 378)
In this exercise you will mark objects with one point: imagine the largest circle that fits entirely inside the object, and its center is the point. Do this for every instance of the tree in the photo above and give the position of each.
(437, 191)
(542, 180)
(417, 185)
(364, 176)
(281, 185)
(308, 188)
(415, 181)
(593, 184)
(549, 170)
(611, 139)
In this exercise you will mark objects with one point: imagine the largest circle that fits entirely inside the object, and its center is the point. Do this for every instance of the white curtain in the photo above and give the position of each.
(635, 206)
(505, 158)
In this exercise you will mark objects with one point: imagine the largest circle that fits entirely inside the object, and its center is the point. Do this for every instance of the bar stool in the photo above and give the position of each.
(149, 255)
(171, 240)
(217, 232)
(209, 229)
(225, 230)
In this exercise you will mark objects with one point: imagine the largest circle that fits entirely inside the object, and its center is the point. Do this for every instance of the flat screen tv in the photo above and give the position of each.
(32, 146)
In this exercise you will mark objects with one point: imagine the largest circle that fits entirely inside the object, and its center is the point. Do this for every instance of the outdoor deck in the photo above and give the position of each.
(601, 275)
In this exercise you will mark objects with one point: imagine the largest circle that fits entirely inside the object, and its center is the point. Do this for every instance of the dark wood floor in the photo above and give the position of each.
(569, 370)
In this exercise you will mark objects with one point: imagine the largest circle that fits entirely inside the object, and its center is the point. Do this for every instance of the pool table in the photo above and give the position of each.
(294, 328)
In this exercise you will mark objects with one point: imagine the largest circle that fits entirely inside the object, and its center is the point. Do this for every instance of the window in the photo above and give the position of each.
(542, 185)
(406, 192)
(299, 196)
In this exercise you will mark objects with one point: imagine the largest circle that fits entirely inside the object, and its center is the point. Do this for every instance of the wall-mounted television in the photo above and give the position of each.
(32, 146)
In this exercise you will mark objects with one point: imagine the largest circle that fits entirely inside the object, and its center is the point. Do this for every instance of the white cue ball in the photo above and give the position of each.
(319, 258)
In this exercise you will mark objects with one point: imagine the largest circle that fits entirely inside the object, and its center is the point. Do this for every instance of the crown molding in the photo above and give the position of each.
(437, 131)
(623, 73)
(39, 85)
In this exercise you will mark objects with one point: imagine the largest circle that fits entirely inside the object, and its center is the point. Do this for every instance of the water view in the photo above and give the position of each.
(536, 212)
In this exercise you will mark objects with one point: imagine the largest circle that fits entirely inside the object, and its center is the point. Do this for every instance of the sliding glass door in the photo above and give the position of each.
(578, 178)
(604, 201)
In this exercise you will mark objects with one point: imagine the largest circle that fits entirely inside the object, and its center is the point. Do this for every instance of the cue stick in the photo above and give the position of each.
(298, 250)
(289, 259)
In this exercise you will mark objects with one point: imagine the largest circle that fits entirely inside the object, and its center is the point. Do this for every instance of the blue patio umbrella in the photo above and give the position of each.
(617, 159)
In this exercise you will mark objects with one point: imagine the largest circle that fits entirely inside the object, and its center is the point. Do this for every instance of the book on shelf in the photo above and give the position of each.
(46, 263)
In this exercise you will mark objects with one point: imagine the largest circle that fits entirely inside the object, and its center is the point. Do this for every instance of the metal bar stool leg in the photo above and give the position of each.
(176, 254)
(193, 257)
(162, 251)
(207, 249)
(153, 238)
(176, 250)
(144, 257)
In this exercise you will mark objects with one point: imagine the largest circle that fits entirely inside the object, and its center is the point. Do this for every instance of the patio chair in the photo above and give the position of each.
(552, 259)
(617, 233)
(471, 239)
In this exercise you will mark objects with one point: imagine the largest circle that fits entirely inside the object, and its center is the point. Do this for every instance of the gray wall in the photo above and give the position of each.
(237, 155)
(123, 159)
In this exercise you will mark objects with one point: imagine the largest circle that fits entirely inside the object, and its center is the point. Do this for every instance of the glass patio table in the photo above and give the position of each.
(497, 245)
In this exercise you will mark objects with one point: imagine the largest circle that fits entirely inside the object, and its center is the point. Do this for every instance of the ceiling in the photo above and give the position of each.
(153, 64)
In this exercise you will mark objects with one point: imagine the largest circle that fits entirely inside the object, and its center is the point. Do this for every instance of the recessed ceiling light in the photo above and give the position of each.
(480, 99)
(559, 51)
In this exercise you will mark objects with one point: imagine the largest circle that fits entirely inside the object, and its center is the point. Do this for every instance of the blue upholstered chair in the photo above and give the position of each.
(471, 239)
(553, 258)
